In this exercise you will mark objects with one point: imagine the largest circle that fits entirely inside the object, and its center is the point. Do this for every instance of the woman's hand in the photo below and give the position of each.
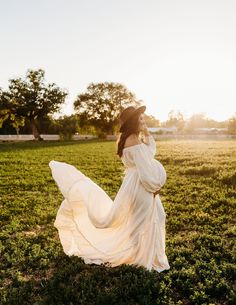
(145, 130)
(145, 134)
(157, 192)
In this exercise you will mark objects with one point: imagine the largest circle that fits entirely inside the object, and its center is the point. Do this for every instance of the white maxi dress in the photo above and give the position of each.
(129, 230)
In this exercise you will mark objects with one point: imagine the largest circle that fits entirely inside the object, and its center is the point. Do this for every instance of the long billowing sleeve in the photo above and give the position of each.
(151, 172)
(152, 145)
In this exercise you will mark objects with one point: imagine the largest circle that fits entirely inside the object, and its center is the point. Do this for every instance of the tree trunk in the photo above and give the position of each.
(35, 130)
(17, 132)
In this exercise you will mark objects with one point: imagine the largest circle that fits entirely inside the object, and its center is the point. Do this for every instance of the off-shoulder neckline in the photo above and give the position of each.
(133, 146)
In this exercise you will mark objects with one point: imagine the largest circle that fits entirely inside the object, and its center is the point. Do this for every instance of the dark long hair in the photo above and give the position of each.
(132, 127)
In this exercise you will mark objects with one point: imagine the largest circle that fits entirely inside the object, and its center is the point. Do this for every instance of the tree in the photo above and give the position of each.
(67, 126)
(197, 120)
(30, 99)
(151, 121)
(101, 105)
(6, 115)
(232, 124)
(175, 119)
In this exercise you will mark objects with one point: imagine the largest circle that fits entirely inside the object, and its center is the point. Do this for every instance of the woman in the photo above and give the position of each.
(130, 230)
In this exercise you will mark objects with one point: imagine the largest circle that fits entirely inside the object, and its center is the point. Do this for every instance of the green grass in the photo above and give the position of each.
(199, 199)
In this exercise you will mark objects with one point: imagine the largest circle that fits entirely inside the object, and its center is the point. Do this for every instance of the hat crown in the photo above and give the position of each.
(127, 113)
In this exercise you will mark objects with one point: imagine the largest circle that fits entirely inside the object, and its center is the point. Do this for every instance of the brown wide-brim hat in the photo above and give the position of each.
(128, 113)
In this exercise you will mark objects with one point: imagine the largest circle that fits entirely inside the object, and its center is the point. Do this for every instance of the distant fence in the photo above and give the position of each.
(56, 137)
(22, 137)
(194, 137)
(49, 137)
(184, 137)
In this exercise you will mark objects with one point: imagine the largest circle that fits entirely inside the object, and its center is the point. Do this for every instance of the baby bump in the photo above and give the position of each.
(162, 173)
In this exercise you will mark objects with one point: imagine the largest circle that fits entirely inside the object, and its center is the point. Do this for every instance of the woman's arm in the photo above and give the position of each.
(146, 135)
(146, 139)
(149, 171)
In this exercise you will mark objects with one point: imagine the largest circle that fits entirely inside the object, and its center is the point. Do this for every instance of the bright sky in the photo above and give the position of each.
(173, 54)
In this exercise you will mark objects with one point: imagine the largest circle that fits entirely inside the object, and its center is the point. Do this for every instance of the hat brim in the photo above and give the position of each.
(139, 110)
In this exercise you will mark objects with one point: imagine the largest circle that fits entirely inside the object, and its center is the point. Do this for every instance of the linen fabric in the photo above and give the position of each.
(129, 230)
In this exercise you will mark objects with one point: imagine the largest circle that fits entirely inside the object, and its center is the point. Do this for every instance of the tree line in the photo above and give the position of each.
(29, 105)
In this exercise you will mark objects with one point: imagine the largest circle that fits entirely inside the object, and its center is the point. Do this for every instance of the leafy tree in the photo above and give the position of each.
(175, 119)
(30, 99)
(6, 115)
(101, 105)
(67, 126)
(232, 124)
(151, 121)
(197, 120)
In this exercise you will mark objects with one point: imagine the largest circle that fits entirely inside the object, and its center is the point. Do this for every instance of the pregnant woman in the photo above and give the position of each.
(129, 230)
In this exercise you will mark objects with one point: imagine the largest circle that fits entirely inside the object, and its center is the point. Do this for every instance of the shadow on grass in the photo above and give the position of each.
(74, 282)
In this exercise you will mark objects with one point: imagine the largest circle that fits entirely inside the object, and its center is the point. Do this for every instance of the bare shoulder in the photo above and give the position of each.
(131, 141)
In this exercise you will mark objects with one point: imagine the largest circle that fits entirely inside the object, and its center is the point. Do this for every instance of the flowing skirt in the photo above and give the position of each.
(129, 230)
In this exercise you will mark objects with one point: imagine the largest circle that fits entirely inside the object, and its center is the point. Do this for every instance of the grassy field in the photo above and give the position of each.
(199, 199)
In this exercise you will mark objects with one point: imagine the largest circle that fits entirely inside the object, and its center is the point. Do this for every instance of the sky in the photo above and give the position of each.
(172, 54)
